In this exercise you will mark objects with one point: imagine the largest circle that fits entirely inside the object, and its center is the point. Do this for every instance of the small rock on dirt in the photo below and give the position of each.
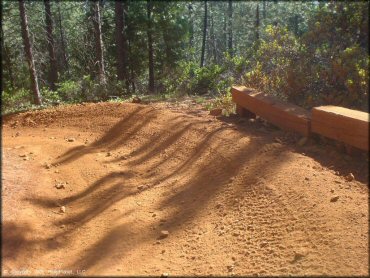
(298, 256)
(109, 154)
(47, 165)
(350, 177)
(164, 234)
(63, 209)
(59, 185)
(230, 268)
(215, 112)
(140, 187)
(164, 274)
(23, 155)
(71, 139)
(334, 199)
(263, 244)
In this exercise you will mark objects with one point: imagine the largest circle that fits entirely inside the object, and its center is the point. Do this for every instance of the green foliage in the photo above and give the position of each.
(19, 98)
(69, 90)
(50, 97)
(210, 79)
(225, 102)
(310, 74)
(310, 53)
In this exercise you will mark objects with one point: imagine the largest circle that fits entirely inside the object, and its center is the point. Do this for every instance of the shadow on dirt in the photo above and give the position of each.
(193, 173)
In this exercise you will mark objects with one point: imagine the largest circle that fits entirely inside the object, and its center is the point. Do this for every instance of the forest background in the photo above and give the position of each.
(309, 53)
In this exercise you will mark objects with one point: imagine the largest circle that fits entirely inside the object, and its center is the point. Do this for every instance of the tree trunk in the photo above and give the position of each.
(213, 38)
(191, 29)
(225, 33)
(99, 43)
(28, 51)
(121, 42)
(53, 70)
(8, 62)
(132, 74)
(150, 47)
(257, 22)
(230, 31)
(118, 9)
(204, 34)
(129, 50)
(62, 40)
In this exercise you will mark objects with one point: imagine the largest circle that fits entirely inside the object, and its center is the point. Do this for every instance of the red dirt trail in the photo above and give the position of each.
(236, 197)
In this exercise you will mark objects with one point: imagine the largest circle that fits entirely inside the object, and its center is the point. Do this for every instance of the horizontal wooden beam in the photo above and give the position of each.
(342, 124)
(284, 115)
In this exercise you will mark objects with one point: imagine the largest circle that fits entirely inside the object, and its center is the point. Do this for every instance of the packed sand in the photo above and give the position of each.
(134, 189)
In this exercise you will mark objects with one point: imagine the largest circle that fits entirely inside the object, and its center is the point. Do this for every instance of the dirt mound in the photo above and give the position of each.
(146, 191)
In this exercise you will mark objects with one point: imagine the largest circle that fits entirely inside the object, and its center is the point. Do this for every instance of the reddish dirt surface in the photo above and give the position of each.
(237, 197)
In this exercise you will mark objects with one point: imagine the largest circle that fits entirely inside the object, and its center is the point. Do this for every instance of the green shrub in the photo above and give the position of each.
(14, 100)
(50, 97)
(70, 91)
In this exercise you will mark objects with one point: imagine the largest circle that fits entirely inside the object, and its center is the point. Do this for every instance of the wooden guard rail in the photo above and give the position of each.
(342, 124)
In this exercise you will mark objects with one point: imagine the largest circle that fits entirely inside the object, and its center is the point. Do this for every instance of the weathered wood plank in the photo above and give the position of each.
(284, 115)
(342, 124)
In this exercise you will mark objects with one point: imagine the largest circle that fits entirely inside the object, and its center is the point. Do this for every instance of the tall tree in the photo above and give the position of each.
(191, 29)
(53, 70)
(213, 39)
(257, 21)
(224, 32)
(150, 47)
(99, 42)
(62, 39)
(121, 41)
(29, 55)
(7, 60)
(8, 63)
(230, 26)
(204, 34)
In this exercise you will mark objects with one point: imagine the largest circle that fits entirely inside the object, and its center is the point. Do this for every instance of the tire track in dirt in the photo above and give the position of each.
(233, 199)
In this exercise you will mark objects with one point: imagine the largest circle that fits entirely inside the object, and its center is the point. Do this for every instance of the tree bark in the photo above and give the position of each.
(224, 37)
(53, 70)
(121, 40)
(213, 38)
(29, 56)
(204, 34)
(264, 9)
(257, 22)
(191, 31)
(129, 51)
(150, 47)
(230, 31)
(99, 43)
(7, 61)
(62, 40)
